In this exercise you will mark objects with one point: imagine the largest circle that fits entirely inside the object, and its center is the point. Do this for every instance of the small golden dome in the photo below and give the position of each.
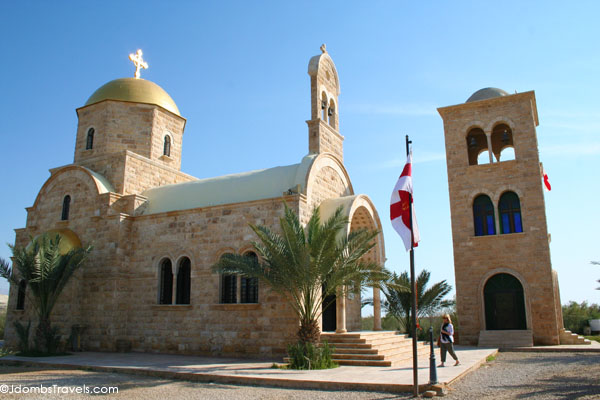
(135, 91)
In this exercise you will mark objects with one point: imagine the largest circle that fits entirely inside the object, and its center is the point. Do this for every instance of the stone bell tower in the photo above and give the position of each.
(323, 127)
(506, 291)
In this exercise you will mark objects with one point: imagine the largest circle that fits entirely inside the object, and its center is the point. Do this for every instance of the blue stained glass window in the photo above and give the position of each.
(478, 226)
(505, 223)
(510, 213)
(518, 226)
(483, 216)
(490, 225)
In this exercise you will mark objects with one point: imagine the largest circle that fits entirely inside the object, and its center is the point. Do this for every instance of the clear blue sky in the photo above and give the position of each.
(238, 72)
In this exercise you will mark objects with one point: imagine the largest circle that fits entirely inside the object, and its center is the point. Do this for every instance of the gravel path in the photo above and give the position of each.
(510, 376)
(532, 375)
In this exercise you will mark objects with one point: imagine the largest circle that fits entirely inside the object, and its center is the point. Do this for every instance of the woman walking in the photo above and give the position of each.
(447, 340)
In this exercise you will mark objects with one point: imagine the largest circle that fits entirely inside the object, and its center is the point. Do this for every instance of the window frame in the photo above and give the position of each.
(486, 215)
(507, 209)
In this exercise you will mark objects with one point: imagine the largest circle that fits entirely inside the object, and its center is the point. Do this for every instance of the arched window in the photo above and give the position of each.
(510, 213)
(324, 106)
(477, 147)
(165, 295)
(89, 143)
(228, 288)
(65, 208)
(483, 216)
(167, 146)
(183, 282)
(21, 295)
(249, 286)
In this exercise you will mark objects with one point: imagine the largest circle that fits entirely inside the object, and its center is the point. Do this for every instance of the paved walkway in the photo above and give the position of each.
(251, 372)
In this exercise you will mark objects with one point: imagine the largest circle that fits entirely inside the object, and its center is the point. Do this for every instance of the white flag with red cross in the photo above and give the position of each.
(400, 205)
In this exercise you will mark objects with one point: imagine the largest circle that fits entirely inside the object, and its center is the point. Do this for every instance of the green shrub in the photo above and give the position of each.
(576, 316)
(308, 356)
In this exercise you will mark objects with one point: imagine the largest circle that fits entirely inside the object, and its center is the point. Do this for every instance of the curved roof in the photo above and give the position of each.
(235, 188)
(135, 91)
(486, 93)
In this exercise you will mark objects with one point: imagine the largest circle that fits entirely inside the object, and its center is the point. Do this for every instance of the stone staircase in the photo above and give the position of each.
(567, 337)
(505, 338)
(376, 348)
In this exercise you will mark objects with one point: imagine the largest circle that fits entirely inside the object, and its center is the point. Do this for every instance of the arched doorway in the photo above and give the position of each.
(329, 313)
(344, 313)
(504, 303)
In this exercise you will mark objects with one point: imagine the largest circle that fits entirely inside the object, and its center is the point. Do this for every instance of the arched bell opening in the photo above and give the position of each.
(477, 147)
(502, 143)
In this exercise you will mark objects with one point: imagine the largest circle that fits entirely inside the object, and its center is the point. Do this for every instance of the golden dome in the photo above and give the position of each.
(135, 91)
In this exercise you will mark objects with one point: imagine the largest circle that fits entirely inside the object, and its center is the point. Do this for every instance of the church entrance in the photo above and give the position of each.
(504, 303)
(329, 314)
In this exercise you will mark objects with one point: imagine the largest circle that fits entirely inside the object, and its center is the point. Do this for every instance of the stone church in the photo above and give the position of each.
(157, 231)
(507, 292)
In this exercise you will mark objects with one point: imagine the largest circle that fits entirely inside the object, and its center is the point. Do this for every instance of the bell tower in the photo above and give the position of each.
(506, 291)
(323, 127)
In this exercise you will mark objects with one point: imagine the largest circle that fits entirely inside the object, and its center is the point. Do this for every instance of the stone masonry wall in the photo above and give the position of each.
(136, 127)
(90, 292)
(205, 326)
(130, 173)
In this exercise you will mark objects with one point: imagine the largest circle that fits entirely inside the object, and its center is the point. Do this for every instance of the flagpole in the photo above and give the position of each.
(413, 288)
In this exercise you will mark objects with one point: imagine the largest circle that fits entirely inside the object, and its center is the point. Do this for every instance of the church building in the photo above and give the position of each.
(156, 231)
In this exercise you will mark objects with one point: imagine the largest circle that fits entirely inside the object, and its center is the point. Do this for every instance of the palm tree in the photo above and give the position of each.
(46, 272)
(306, 265)
(399, 298)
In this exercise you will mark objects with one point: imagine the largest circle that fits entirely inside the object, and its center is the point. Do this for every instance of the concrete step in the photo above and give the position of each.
(353, 350)
(506, 338)
(361, 334)
(364, 363)
(372, 348)
(567, 337)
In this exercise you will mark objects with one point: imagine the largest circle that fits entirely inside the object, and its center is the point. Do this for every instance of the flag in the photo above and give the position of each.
(400, 205)
(545, 177)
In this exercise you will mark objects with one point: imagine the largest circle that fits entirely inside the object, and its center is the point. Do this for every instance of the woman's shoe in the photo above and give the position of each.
(441, 365)
(457, 363)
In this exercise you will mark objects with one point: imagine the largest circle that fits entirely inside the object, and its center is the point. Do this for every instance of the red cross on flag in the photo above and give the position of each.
(400, 204)
(545, 178)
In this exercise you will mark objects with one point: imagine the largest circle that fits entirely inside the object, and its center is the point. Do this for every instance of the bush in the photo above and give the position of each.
(576, 316)
(308, 356)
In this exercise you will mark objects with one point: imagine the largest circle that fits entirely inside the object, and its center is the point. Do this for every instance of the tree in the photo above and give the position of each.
(305, 265)
(45, 272)
(399, 298)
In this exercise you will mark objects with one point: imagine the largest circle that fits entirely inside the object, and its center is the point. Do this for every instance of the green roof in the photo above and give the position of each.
(228, 189)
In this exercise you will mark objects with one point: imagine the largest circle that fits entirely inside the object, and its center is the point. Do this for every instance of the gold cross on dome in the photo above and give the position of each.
(138, 62)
